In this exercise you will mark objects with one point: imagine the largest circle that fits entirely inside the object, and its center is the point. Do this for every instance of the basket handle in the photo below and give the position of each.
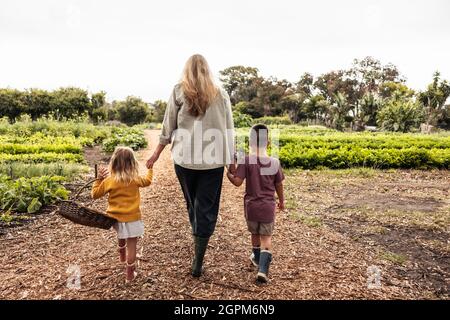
(83, 187)
(77, 194)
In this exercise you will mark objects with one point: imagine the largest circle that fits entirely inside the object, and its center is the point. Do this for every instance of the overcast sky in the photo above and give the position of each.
(139, 47)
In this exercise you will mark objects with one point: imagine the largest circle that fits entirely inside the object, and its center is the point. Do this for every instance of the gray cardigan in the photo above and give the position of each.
(203, 142)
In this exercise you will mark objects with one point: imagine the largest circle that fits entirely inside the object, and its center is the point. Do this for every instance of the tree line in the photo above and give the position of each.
(367, 94)
(71, 102)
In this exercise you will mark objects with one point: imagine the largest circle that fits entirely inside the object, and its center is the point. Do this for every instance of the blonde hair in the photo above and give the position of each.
(123, 166)
(198, 85)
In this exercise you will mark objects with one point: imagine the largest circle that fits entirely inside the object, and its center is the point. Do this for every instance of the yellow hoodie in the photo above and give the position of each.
(124, 199)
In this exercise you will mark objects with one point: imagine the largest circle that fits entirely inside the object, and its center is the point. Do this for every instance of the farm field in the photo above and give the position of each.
(316, 147)
(38, 159)
(338, 224)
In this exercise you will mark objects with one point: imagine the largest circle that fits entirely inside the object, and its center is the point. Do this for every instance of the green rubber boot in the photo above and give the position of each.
(200, 248)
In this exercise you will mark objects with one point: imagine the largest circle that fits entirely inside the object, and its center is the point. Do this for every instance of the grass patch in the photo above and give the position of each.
(310, 221)
(435, 245)
(361, 172)
(438, 220)
(290, 203)
(393, 257)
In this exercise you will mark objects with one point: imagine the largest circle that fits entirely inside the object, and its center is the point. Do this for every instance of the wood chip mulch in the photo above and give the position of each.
(309, 263)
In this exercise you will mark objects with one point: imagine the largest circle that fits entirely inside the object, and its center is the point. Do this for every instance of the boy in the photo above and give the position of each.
(264, 177)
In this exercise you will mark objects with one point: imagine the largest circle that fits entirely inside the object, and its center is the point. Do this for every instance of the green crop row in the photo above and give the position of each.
(293, 155)
(28, 170)
(40, 138)
(15, 148)
(45, 157)
(54, 128)
(301, 148)
(372, 141)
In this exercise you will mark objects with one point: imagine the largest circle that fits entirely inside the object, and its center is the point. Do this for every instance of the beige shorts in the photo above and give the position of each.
(264, 229)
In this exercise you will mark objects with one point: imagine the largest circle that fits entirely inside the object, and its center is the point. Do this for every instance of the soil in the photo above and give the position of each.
(39, 259)
(403, 213)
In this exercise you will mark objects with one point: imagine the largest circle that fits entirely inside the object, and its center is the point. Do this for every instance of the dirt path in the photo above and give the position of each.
(309, 263)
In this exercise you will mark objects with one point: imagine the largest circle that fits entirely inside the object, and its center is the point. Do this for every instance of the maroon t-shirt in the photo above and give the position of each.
(261, 175)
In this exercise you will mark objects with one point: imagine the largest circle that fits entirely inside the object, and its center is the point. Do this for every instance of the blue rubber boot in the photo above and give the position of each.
(265, 259)
(254, 257)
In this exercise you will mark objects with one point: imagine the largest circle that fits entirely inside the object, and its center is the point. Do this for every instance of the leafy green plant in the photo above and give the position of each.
(30, 194)
(131, 137)
(241, 120)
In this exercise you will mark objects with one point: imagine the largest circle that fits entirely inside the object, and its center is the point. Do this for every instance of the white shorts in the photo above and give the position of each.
(127, 230)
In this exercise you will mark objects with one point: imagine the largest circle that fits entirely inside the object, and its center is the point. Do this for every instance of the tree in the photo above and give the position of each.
(157, 113)
(400, 114)
(305, 85)
(11, 103)
(294, 105)
(269, 95)
(71, 102)
(370, 74)
(369, 106)
(434, 98)
(132, 111)
(37, 102)
(373, 82)
(98, 110)
(316, 108)
(331, 83)
(339, 111)
(237, 80)
(388, 89)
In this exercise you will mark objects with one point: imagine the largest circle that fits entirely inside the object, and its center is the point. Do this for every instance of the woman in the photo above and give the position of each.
(199, 123)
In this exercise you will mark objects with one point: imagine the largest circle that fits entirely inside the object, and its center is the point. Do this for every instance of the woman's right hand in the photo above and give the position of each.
(151, 161)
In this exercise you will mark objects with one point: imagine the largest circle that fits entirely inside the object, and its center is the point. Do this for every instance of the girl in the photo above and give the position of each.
(123, 202)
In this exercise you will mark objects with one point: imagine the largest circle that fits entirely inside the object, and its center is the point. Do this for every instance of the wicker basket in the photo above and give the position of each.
(78, 213)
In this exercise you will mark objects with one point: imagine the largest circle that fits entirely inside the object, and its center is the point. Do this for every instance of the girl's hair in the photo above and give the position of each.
(198, 85)
(123, 166)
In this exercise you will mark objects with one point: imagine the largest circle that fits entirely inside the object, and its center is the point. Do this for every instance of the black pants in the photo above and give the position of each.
(201, 189)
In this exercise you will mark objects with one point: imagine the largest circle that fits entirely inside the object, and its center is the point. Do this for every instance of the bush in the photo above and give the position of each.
(157, 112)
(132, 111)
(241, 120)
(284, 120)
(400, 115)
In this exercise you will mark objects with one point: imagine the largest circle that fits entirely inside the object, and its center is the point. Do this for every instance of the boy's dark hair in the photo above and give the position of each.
(259, 135)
